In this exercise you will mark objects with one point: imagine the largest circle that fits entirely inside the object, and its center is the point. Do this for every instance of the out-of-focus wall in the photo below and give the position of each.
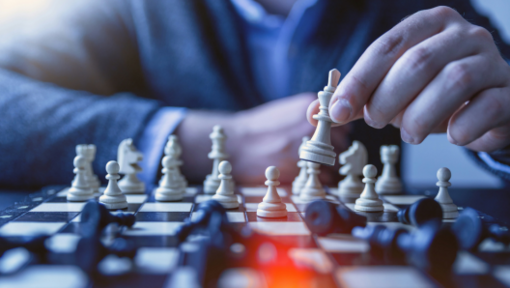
(421, 162)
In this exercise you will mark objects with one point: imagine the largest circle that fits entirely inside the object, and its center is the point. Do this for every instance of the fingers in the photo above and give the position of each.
(416, 68)
(313, 109)
(482, 124)
(452, 87)
(360, 83)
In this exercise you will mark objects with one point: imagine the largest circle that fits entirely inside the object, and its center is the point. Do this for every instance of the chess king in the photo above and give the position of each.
(319, 148)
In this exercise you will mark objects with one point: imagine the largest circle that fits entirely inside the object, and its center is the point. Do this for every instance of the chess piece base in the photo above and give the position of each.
(112, 203)
(77, 194)
(271, 214)
(388, 186)
(272, 210)
(211, 184)
(450, 211)
(168, 194)
(227, 201)
(369, 205)
(130, 187)
(306, 196)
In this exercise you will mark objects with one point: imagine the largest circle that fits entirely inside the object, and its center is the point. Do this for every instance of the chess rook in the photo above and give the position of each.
(225, 193)
(80, 189)
(170, 187)
(369, 200)
(89, 152)
(300, 180)
(313, 189)
(388, 182)
(323, 217)
(173, 146)
(128, 157)
(353, 161)
(450, 210)
(319, 148)
(113, 197)
(217, 154)
(272, 206)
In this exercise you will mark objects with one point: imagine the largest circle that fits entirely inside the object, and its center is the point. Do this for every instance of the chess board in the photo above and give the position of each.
(337, 260)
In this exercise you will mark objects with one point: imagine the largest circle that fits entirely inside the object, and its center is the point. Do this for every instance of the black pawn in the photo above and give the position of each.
(420, 212)
(323, 217)
(95, 217)
(472, 227)
(203, 218)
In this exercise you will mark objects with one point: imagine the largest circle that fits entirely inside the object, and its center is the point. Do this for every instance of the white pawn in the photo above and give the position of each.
(173, 145)
(170, 187)
(113, 197)
(313, 188)
(217, 154)
(80, 189)
(300, 180)
(389, 183)
(272, 206)
(225, 193)
(369, 200)
(450, 210)
(353, 161)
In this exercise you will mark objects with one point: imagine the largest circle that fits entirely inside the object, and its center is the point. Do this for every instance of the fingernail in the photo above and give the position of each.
(406, 137)
(371, 122)
(341, 111)
(451, 140)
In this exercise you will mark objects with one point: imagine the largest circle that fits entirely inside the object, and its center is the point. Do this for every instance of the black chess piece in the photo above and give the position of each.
(90, 251)
(35, 245)
(429, 248)
(472, 227)
(95, 217)
(421, 212)
(323, 217)
(201, 222)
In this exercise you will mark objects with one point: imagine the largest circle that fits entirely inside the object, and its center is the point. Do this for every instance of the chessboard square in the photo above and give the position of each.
(54, 276)
(467, 263)
(191, 191)
(78, 218)
(47, 217)
(291, 217)
(63, 242)
(252, 207)
(30, 228)
(166, 207)
(260, 191)
(241, 277)
(162, 216)
(233, 217)
(156, 260)
(205, 197)
(343, 243)
(297, 200)
(382, 277)
(59, 207)
(402, 199)
(502, 273)
(136, 199)
(392, 225)
(280, 228)
(388, 208)
(311, 257)
(153, 228)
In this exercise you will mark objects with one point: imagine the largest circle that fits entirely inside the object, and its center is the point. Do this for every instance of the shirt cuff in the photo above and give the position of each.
(493, 164)
(154, 139)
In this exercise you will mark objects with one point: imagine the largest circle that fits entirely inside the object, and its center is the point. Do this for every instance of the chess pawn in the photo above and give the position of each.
(173, 141)
(450, 210)
(389, 183)
(272, 206)
(319, 148)
(313, 188)
(113, 197)
(217, 154)
(80, 189)
(300, 180)
(225, 193)
(369, 200)
(128, 157)
(170, 187)
(353, 161)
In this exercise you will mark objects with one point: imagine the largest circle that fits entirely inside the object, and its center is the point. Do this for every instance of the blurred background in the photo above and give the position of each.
(419, 168)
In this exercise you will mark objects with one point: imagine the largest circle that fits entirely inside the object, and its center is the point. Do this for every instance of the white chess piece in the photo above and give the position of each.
(225, 194)
(319, 148)
(388, 182)
(300, 181)
(80, 189)
(313, 188)
(173, 140)
(128, 157)
(217, 154)
(170, 187)
(271, 205)
(113, 197)
(353, 161)
(89, 152)
(369, 200)
(450, 210)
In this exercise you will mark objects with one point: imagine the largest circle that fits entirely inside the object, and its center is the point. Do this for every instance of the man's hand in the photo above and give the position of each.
(433, 72)
(263, 136)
